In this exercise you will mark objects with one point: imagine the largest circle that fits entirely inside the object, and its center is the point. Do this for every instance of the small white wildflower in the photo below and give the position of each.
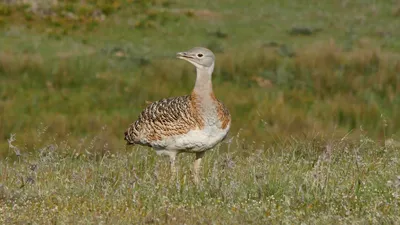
(11, 146)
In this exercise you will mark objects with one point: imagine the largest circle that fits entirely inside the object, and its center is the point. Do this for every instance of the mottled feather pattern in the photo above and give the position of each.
(223, 113)
(163, 118)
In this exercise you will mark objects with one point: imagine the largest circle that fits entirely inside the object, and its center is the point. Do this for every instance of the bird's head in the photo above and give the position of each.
(201, 58)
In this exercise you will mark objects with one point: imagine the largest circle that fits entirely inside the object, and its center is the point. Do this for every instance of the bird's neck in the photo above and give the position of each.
(203, 96)
(203, 86)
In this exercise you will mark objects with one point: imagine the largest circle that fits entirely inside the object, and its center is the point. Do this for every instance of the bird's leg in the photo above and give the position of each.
(196, 166)
(172, 158)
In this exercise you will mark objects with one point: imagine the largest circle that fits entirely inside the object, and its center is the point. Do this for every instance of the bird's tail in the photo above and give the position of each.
(128, 139)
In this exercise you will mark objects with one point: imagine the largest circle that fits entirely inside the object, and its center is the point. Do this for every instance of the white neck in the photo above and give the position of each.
(204, 95)
(203, 86)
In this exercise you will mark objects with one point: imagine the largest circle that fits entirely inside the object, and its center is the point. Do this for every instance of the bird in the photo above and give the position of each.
(192, 123)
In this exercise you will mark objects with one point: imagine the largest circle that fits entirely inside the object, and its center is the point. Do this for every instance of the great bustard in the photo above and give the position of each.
(193, 123)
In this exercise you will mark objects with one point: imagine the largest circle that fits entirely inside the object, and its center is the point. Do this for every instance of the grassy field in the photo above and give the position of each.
(282, 68)
(313, 88)
(311, 182)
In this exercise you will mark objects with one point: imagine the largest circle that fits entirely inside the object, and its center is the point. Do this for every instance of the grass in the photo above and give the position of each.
(283, 69)
(313, 88)
(313, 182)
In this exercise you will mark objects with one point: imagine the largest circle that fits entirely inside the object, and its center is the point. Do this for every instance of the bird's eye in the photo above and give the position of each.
(199, 55)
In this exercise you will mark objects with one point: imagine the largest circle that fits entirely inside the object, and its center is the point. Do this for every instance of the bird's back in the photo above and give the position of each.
(164, 118)
(178, 123)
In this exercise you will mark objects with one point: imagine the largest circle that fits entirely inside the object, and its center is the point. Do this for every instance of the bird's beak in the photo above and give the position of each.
(183, 55)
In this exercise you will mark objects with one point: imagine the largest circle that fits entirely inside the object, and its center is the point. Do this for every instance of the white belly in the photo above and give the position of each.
(193, 141)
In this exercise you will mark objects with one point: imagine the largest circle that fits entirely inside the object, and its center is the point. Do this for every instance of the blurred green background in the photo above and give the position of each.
(77, 71)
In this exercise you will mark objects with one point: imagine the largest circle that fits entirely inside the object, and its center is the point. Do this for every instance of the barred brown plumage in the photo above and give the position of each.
(163, 118)
(191, 123)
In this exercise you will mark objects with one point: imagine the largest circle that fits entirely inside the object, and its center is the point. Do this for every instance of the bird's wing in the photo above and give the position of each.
(164, 118)
(223, 115)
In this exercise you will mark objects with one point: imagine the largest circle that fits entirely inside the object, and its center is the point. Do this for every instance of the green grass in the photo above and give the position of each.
(313, 182)
(297, 77)
(283, 68)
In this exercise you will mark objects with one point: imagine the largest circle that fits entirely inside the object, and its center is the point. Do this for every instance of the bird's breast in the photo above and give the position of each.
(195, 140)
